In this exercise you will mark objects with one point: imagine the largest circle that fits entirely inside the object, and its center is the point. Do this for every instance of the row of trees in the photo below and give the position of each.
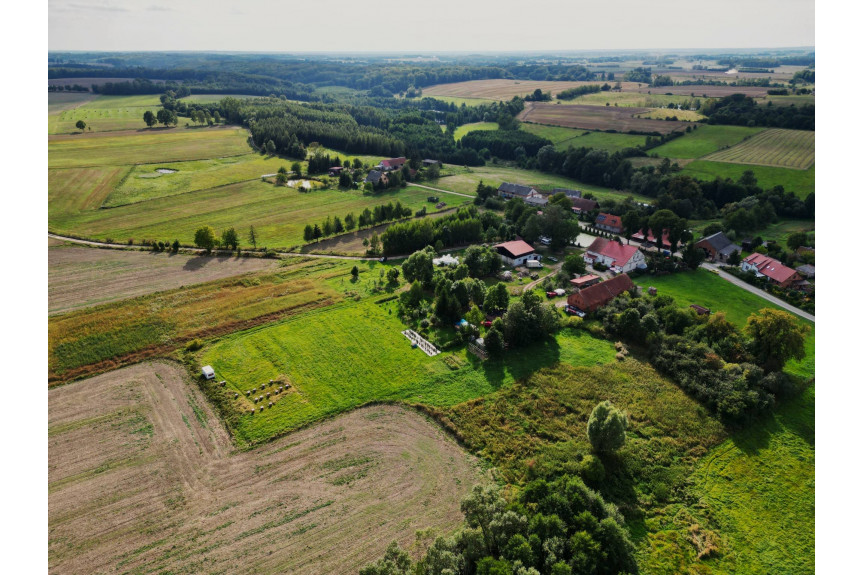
(380, 214)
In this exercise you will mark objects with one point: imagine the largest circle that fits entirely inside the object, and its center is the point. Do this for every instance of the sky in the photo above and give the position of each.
(440, 25)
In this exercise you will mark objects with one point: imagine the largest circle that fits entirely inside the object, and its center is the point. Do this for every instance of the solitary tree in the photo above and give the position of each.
(606, 428)
(230, 238)
(80, 125)
(355, 271)
(777, 337)
(253, 237)
(149, 118)
(308, 233)
(393, 275)
(205, 238)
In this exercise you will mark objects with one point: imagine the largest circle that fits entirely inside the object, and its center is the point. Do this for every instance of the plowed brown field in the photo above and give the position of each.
(142, 478)
(596, 118)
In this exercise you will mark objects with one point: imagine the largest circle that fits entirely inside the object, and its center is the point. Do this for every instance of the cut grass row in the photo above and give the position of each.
(774, 147)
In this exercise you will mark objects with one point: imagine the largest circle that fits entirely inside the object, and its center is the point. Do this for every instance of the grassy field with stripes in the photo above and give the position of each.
(774, 147)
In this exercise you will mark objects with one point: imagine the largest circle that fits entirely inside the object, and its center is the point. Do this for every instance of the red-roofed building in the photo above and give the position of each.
(594, 297)
(614, 255)
(585, 281)
(580, 205)
(392, 164)
(772, 269)
(517, 253)
(650, 238)
(609, 223)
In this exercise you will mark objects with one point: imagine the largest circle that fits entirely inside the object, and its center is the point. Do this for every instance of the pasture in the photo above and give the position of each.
(800, 182)
(596, 118)
(345, 356)
(703, 140)
(476, 126)
(150, 145)
(774, 147)
(563, 138)
(83, 277)
(142, 477)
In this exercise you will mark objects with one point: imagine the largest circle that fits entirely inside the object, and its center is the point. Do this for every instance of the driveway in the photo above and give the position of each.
(759, 292)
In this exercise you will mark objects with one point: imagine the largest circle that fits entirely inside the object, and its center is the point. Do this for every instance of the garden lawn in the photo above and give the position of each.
(704, 140)
(800, 182)
(156, 145)
(344, 356)
(711, 291)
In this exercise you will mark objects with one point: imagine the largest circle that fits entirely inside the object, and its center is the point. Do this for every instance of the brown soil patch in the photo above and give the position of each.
(620, 119)
(82, 277)
(141, 478)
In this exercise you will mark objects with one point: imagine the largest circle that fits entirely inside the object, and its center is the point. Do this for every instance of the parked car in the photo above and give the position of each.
(572, 310)
(383, 259)
(552, 259)
(487, 323)
(550, 294)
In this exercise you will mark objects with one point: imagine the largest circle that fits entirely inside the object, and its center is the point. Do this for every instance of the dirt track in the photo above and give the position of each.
(81, 277)
(142, 478)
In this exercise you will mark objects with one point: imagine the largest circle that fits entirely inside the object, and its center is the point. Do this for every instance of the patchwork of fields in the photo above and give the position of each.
(503, 89)
(596, 118)
(773, 147)
(142, 478)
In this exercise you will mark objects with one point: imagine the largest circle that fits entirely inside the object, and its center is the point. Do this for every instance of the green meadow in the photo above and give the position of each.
(703, 140)
(564, 138)
(800, 182)
(475, 127)
(104, 114)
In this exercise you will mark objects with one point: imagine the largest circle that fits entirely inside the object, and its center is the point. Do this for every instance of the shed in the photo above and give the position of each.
(533, 264)
(208, 372)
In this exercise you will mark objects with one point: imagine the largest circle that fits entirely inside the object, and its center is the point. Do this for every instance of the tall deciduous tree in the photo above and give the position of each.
(149, 118)
(777, 337)
(80, 125)
(205, 238)
(230, 238)
(606, 428)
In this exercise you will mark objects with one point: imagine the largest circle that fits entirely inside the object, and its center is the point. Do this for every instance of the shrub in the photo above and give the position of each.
(606, 428)
(194, 345)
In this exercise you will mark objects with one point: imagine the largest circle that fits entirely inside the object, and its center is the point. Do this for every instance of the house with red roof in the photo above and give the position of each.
(773, 270)
(651, 239)
(609, 223)
(614, 255)
(585, 281)
(517, 253)
(582, 205)
(392, 164)
(594, 297)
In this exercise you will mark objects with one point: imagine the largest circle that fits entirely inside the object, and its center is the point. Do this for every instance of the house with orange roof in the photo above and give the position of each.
(608, 223)
(773, 270)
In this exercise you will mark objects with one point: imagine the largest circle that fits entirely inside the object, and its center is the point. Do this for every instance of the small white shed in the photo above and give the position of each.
(208, 372)
(533, 264)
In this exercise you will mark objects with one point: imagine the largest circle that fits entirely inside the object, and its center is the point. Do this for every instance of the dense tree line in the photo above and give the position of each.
(465, 226)
(505, 144)
(573, 93)
(741, 110)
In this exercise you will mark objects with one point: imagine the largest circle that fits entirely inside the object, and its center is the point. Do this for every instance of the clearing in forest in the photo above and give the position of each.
(774, 147)
(142, 477)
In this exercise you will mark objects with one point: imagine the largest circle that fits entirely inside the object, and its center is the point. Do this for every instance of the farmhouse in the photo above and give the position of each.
(429, 163)
(651, 239)
(516, 253)
(616, 256)
(508, 190)
(335, 170)
(376, 176)
(585, 281)
(582, 205)
(609, 223)
(536, 201)
(392, 164)
(717, 247)
(571, 194)
(594, 297)
(772, 269)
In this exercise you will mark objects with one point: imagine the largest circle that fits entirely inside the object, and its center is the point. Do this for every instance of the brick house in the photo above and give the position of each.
(594, 297)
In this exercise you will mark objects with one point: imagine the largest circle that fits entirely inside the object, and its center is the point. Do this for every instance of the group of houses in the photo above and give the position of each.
(532, 197)
(379, 174)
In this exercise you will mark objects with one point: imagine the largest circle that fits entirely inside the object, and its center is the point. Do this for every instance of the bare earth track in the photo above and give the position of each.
(141, 478)
(82, 277)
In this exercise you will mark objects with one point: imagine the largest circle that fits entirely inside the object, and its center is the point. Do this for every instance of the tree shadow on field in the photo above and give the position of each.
(518, 363)
(196, 263)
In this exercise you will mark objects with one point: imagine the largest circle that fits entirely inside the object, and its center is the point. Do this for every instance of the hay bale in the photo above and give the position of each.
(236, 395)
(268, 396)
(270, 404)
(262, 408)
(254, 389)
(248, 393)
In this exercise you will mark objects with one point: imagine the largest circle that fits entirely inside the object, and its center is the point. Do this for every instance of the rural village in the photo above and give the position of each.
(539, 315)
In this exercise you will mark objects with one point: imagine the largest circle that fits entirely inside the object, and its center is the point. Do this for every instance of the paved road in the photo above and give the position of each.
(759, 292)
(200, 251)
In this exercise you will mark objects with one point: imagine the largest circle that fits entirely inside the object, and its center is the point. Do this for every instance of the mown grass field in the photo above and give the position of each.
(773, 147)
(800, 182)
(704, 140)
(344, 356)
(563, 138)
(476, 126)
(672, 113)
(103, 113)
(627, 99)
(709, 290)
(278, 213)
(152, 145)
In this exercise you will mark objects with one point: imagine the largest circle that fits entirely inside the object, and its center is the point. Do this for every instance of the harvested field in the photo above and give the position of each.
(505, 89)
(145, 146)
(704, 91)
(596, 118)
(82, 277)
(780, 148)
(142, 478)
